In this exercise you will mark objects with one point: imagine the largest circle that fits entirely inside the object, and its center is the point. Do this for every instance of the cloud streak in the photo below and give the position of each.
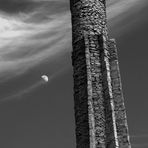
(139, 140)
(119, 10)
(139, 136)
(19, 94)
(25, 45)
(23, 92)
(142, 145)
(29, 39)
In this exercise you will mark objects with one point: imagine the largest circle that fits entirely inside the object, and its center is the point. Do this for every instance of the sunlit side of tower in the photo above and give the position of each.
(99, 105)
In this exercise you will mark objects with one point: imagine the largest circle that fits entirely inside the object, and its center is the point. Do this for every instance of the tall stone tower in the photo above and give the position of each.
(99, 105)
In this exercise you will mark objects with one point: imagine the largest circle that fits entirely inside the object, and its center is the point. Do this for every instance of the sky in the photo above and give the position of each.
(35, 40)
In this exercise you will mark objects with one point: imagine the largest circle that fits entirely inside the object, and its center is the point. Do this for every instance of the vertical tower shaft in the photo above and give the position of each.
(99, 106)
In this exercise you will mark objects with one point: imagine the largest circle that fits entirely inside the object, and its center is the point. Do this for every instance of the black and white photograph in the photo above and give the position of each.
(73, 74)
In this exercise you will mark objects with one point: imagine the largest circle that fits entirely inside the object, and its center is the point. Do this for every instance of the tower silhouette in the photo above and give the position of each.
(100, 114)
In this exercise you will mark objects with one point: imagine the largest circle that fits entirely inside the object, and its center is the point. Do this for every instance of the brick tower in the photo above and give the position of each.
(99, 105)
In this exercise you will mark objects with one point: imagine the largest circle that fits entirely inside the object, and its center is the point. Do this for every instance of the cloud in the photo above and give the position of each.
(23, 92)
(117, 10)
(19, 94)
(142, 145)
(25, 45)
(30, 38)
(15, 6)
(139, 136)
(139, 140)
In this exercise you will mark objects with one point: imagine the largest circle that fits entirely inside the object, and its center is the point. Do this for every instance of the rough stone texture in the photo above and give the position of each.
(81, 95)
(99, 106)
(120, 112)
(89, 16)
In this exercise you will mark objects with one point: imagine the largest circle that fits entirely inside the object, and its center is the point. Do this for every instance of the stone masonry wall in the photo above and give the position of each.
(120, 112)
(99, 106)
(80, 95)
(96, 100)
(88, 16)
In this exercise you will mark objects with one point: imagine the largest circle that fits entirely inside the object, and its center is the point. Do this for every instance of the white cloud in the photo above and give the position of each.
(139, 136)
(24, 45)
(118, 9)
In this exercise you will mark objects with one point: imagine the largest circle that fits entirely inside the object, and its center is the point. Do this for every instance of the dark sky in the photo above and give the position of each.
(35, 39)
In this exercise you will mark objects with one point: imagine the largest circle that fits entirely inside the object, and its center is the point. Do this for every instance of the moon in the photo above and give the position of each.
(45, 78)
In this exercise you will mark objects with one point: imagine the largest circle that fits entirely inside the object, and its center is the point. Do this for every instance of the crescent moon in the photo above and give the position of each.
(45, 78)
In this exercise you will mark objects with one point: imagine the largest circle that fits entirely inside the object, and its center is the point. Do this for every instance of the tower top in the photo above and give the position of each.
(88, 16)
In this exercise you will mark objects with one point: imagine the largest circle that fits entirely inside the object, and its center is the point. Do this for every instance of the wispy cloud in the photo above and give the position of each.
(24, 45)
(116, 8)
(19, 94)
(118, 11)
(23, 92)
(139, 140)
(142, 145)
(30, 38)
(139, 136)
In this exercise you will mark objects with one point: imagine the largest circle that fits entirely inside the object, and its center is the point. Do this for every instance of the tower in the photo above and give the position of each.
(100, 114)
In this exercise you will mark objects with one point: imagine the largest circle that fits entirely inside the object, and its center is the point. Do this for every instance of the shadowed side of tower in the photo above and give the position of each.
(99, 105)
